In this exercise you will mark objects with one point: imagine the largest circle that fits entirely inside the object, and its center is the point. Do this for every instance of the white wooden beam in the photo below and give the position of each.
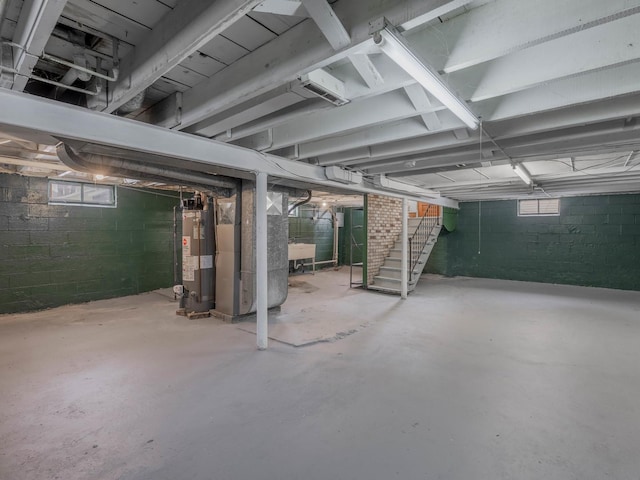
(183, 30)
(602, 46)
(422, 102)
(574, 101)
(382, 109)
(33, 164)
(65, 121)
(578, 115)
(367, 70)
(244, 113)
(289, 8)
(563, 143)
(37, 20)
(374, 138)
(506, 26)
(330, 25)
(438, 12)
(271, 121)
(582, 89)
(299, 50)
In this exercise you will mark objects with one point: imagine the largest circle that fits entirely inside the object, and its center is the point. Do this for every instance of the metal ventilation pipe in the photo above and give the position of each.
(90, 163)
(134, 104)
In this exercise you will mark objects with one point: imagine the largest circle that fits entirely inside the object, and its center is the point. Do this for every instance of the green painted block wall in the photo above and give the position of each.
(53, 255)
(313, 225)
(595, 241)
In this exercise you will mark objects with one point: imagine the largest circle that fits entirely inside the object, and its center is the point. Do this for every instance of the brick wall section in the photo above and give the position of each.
(53, 255)
(595, 241)
(384, 225)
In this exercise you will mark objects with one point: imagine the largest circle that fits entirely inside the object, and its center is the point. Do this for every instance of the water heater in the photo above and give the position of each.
(198, 250)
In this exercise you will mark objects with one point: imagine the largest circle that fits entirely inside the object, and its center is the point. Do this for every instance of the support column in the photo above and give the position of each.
(261, 261)
(404, 236)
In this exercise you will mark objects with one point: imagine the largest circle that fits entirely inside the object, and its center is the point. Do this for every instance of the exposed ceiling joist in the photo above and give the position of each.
(374, 138)
(556, 95)
(291, 8)
(46, 166)
(189, 26)
(330, 25)
(37, 20)
(502, 27)
(244, 113)
(299, 50)
(591, 49)
(422, 102)
(31, 113)
(367, 113)
(367, 70)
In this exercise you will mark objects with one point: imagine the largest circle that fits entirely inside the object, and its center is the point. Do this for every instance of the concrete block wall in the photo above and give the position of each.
(313, 225)
(52, 255)
(384, 225)
(595, 241)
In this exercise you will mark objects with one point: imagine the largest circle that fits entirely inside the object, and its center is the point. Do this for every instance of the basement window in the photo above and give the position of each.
(83, 194)
(539, 207)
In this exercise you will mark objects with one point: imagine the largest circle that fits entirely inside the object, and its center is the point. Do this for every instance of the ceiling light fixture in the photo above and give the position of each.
(394, 46)
(523, 174)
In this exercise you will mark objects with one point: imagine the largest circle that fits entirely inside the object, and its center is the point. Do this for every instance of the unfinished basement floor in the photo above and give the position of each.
(467, 379)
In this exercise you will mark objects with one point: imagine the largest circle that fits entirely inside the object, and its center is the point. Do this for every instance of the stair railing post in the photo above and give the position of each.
(405, 241)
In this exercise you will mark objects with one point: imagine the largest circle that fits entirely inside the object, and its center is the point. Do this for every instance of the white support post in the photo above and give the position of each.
(261, 261)
(405, 240)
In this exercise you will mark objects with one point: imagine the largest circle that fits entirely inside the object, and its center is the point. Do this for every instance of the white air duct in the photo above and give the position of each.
(341, 175)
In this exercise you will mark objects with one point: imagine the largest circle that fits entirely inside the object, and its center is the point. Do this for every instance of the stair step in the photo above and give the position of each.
(395, 291)
(392, 262)
(384, 282)
(390, 284)
(395, 253)
(390, 272)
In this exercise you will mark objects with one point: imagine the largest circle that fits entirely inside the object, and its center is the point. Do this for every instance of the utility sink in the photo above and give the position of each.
(301, 251)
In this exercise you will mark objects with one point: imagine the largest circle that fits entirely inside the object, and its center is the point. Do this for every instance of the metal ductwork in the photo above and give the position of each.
(134, 104)
(93, 163)
(228, 267)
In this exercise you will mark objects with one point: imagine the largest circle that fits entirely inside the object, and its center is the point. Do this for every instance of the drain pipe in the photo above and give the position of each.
(85, 71)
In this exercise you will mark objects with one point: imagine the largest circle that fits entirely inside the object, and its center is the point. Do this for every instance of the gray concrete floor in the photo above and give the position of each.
(468, 379)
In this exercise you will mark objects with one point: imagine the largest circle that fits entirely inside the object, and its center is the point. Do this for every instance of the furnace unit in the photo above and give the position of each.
(218, 253)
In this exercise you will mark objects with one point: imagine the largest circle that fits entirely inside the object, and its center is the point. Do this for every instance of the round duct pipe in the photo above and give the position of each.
(89, 163)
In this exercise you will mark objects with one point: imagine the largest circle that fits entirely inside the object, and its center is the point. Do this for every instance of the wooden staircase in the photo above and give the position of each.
(423, 235)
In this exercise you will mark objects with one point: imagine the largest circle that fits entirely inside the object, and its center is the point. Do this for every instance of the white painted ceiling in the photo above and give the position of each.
(555, 83)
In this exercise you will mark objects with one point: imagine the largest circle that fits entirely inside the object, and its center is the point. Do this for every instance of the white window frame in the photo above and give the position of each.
(538, 214)
(82, 202)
